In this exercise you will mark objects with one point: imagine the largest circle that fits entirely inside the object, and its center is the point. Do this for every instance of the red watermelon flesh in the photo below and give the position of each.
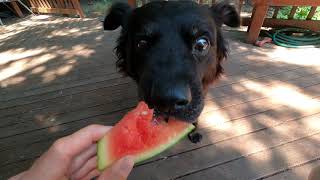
(140, 134)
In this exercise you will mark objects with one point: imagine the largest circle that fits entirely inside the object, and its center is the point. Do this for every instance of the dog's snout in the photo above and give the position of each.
(176, 97)
(181, 97)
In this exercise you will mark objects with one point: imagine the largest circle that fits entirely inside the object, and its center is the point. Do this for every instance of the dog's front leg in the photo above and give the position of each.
(194, 136)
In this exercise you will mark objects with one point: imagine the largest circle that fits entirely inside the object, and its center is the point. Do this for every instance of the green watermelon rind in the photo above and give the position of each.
(101, 153)
(103, 159)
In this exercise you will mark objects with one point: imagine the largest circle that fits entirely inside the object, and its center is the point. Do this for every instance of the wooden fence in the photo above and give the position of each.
(70, 7)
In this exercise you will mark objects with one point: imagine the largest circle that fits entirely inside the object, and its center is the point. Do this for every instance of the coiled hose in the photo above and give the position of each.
(295, 37)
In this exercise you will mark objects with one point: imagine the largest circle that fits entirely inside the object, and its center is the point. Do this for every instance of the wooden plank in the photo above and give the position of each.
(45, 120)
(14, 92)
(77, 72)
(49, 135)
(81, 86)
(33, 83)
(275, 12)
(91, 99)
(13, 169)
(50, 3)
(268, 22)
(58, 87)
(37, 148)
(237, 112)
(16, 9)
(72, 103)
(55, 10)
(39, 3)
(68, 4)
(259, 123)
(249, 68)
(76, 5)
(40, 105)
(251, 74)
(221, 153)
(55, 4)
(295, 173)
(52, 134)
(257, 22)
(312, 12)
(271, 160)
(32, 3)
(233, 115)
(239, 126)
(292, 12)
(68, 81)
(60, 4)
(294, 2)
(44, 4)
(236, 88)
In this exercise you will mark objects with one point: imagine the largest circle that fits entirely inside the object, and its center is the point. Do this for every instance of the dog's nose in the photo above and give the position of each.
(172, 98)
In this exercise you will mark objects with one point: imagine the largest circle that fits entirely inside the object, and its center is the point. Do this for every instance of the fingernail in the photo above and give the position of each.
(127, 163)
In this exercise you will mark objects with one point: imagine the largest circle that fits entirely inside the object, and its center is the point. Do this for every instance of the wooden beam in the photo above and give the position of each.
(292, 12)
(275, 12)
(312, 12)
(268, 22)
(16, 9)
(76, 5)
(257, 21)
(293, 2)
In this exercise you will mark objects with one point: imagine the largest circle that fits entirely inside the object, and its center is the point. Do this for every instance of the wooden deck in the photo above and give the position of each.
(261, 121)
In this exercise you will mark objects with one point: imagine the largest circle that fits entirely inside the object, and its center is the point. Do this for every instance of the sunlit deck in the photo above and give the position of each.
(261, 121)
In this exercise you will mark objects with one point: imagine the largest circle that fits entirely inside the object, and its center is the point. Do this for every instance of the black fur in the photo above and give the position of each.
(157, 48)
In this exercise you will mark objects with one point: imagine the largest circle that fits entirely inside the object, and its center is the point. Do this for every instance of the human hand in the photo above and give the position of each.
(74, 157)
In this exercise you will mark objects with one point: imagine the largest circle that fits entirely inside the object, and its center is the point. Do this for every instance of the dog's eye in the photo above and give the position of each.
(201, 45)
(142, 43)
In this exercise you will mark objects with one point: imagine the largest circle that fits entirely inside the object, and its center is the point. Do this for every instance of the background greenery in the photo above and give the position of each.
(301, 13)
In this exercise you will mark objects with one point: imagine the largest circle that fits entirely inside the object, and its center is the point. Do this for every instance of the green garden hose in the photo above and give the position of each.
(295, 37)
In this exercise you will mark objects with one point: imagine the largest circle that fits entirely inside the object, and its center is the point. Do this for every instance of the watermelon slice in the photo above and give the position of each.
(140, 134)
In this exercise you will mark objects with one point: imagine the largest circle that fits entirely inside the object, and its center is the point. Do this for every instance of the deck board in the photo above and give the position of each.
(256, 121)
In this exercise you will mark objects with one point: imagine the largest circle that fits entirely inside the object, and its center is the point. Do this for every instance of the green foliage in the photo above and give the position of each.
(317, 14)
(284, 12)
(301, 13)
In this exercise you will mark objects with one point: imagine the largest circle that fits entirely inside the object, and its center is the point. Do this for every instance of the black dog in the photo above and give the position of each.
(173, 50)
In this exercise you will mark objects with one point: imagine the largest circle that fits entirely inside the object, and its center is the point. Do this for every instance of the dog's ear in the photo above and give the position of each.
(224, 13)
(117, 16)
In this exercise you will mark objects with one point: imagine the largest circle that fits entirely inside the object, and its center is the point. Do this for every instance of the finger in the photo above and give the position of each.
(85, 169)
(94, 173)
(18, 176)
(82, 158)
(82, 139)
(118, 171)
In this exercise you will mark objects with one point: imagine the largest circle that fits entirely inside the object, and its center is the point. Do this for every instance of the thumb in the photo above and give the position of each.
(120, 170)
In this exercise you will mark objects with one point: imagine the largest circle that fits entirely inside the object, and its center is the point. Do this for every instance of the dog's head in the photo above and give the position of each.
(173, 50)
